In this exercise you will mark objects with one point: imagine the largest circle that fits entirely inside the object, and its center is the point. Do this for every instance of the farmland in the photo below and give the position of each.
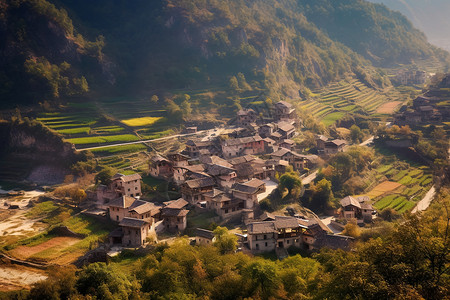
(336, 100)
(399, 184)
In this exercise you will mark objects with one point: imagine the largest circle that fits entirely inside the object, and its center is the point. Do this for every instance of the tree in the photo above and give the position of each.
(174, 111)
(78, 196)
(352, 229)
(322, 197)
(233, 84)
(243, 83)
(292, 182)
(226, 242)
(355, 134)
(105, 175)
(154, 99)
(186, 108)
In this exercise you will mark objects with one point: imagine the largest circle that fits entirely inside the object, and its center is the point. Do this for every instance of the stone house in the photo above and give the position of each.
(160, 167)
(224, 176)
(183, 173)
(193, 148)
(287, 144)
(360, 209)
(296, 160)
(286, 130)
(121, 185)
(178, 159)
(284, 111)
(128, 207)
(225, 205)
(248, 191)
(246, 116)
(174, 215)
(266, 236)
(243, 146)
(134, 232)
(266, 130)
(193, 190)
(204, 237)
(334, 146)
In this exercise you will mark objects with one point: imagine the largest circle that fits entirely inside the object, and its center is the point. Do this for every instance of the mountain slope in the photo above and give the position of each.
(281, 46)
(430, 16)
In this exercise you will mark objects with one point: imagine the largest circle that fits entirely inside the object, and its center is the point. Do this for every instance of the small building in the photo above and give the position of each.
(121, 185)
(266, 130)
(193, 190)
(224, 176)
(286, 130)
(334, 146)
(193, 147)
(204, 237)
(223, 204)
(248, 191)
(174, 216)
(246, 116)
(119, 208)
(287, 144)
(183, 173)
(360, 209)
(296, 160)
(284, 111)
(243, 146)
(178, 159)
(192, 129)
(134, 232)
(160, 167)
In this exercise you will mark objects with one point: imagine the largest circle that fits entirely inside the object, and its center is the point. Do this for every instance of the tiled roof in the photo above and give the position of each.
(174, 212)
(240, 141)
(241, 159)
(284, 103)
(213, 193)
(217, 170)
(142, 207)
(127, 178)
(132, 222)
(178, 204)
(261, 227)
(207, 234)
(122, 202)
(286, 127)
(282, 222)
(249, 187)
(349, 200)
(215, 160)
(200, 182)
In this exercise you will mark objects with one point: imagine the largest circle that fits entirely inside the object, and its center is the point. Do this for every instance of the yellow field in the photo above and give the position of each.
(138, 122)
(382, 188)
(388, 108)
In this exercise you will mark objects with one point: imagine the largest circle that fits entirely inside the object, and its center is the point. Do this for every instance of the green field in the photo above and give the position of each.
(104, 139)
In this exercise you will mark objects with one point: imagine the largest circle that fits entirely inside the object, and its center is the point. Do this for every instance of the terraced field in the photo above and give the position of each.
(404, 188)
(338, 99)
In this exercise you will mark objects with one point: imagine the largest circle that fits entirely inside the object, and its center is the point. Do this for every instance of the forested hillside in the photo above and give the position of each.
(288, 45)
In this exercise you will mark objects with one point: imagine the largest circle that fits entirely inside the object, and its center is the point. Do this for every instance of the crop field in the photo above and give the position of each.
(336, 100)
(400, 188)
(388, 108)
(140, 122)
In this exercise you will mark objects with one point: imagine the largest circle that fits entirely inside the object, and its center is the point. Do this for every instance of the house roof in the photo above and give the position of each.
(267, 217)
(269, 141)
(241, 159)
(244, 112)
(127, 178)
(276, 135)
(174, 212)
(157, 158)
(261, 227)
(193, 168)
(282, 222)
(214, 193)
(215, 160)
(243, 140)
(142, 207)
(174, 155)
(281, 152)
(132, 222)
(122, 202)
(287, 141)
(286, 127)
(322, 138)
(284, 103)
(337, 142)
(250, 187)
(179, 203)
(199, 143)
(217, 170)
(207, 234)
(200, 182)
(349, 200)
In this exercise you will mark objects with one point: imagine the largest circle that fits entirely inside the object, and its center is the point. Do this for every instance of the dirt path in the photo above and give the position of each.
(426, 200)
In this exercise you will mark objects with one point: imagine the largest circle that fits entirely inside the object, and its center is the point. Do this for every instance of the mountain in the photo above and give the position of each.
(62, 48)
(430, 16)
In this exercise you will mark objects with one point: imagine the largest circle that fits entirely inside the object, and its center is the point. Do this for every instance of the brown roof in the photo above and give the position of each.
(337, 142)
(284, 103)
(194, 168)
(280, 152)
(127, 178)
(174, 212)
(122, 202)
(249, 187)
(142, 207)
(240, 141)
(180, 203)
(261, 227)
(282, 222)
(132, 222)
(217, 170)
(241, 159)
(215, 160)
(207, 234)
(349, 200)
(157, 158)
(288, 141)
(283, 126)
(200, 182)
(213, 193)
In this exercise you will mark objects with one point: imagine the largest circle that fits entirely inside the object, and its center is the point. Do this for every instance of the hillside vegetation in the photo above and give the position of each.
(285, 47)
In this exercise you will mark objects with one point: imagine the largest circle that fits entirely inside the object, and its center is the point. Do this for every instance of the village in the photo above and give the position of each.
(230, 175)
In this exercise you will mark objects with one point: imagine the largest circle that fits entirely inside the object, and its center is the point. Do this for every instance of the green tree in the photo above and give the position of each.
(226, 241)
(322, 195)
(105, 175)
(355, 134)
(290, 181)
(243, 85)
(233, 84)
